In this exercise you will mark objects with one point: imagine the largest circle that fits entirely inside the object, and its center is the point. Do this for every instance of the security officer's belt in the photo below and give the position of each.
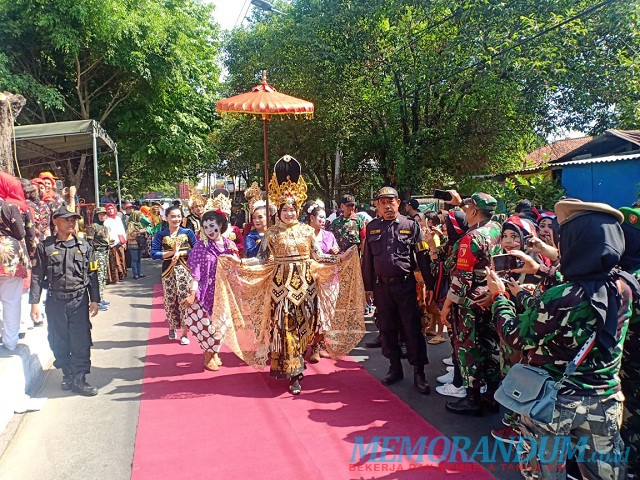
(67, 295)
(391, 280)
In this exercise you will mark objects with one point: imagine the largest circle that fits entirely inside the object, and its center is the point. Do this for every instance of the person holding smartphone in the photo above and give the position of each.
(475, 337)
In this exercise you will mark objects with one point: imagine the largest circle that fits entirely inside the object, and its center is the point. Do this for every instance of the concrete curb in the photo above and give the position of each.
(22, 370)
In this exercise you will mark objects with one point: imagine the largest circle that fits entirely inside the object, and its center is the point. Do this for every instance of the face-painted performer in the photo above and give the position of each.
(203, 263)
(222, 204)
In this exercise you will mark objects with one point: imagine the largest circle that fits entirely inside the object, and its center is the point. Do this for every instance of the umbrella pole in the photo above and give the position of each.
(266, 167)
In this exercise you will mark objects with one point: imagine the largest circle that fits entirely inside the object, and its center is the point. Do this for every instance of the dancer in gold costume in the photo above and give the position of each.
(276, 302)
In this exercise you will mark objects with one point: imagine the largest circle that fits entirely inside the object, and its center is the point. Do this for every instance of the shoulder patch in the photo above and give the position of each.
(466, 259)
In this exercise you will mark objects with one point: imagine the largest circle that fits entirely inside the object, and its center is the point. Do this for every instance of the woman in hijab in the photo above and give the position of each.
(17, 248)
(135, 228)
(442, 258)
(590, 310)
(117, 245)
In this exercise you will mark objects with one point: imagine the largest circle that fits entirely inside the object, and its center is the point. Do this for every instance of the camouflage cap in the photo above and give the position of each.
(631, 216)
(570, 207)
(483, 201)
(387, 192)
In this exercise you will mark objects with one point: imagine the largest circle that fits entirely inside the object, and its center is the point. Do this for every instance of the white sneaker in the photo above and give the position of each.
(483, 389)
(447, 377)
(451, 390)
(448, 361)
(184, 340)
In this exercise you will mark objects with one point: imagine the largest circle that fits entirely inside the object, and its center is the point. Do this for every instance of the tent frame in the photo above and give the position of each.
(48, 142)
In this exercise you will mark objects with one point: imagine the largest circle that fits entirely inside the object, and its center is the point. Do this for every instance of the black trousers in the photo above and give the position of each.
(398, 312)
(69, 330)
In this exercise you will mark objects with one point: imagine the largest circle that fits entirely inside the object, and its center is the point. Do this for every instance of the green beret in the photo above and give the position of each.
(631, 216)
(483, 201)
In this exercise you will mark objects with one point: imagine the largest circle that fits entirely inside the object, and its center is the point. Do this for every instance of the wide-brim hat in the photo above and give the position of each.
(569, 208)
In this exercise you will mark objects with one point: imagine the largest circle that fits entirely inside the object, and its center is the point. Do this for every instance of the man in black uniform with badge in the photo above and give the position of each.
(66, 266)
(393, 248)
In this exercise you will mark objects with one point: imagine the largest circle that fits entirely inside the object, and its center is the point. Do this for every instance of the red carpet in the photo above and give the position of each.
(239, 423)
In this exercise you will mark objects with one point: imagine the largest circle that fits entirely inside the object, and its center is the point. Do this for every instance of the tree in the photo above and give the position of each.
(417, 94)
(10, 107)
(147, 70)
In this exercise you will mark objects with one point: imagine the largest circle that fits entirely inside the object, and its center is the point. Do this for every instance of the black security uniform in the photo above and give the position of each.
(392, 251)
(69, 271)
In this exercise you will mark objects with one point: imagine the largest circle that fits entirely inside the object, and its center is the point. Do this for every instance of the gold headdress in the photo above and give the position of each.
(253, 194)
(221, 202)
(287, 185)
(196, 199)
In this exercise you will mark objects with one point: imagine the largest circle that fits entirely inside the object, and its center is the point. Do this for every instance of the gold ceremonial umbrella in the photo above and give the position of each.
(265, 101)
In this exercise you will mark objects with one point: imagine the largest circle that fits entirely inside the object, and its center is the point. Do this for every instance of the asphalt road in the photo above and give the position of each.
(74, 437)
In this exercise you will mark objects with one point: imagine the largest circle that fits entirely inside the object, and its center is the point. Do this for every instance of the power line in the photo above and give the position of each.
(241, 15)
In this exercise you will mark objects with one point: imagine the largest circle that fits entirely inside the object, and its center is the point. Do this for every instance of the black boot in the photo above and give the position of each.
(81, 386)
(67, 380)
(395, 373)
(419, 381)
(488, 401)
(469, 405)
(377, 343)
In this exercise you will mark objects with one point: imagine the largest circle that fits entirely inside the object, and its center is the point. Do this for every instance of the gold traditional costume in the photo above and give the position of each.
(276, 302)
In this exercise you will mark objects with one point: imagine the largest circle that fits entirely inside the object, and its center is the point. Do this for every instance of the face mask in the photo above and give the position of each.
(212, 230)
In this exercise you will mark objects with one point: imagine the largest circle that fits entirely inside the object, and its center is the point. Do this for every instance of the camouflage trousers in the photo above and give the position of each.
(584, 428)
(475, 344)
(630, 382)
(102, 256)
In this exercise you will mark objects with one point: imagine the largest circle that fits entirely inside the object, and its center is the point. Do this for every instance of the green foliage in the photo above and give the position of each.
(543, 191)
(417, 94)
(146, 69)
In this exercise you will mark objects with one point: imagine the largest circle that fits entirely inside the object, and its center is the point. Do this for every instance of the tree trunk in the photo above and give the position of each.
(10, 107)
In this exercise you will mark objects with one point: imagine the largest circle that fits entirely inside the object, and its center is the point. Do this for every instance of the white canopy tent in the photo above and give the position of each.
(42, 143)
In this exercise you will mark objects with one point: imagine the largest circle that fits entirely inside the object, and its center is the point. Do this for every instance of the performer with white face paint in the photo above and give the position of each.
(203, 262)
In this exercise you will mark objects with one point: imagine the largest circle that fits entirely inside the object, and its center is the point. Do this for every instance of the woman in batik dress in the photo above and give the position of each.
(172, 245)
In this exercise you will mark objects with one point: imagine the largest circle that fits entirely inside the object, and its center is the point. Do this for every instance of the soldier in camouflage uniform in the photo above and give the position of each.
(347, 227)
(475, 337)
(552, 330)
(630, 372)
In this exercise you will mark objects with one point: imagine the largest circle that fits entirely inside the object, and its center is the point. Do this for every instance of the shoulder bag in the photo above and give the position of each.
(529, 390)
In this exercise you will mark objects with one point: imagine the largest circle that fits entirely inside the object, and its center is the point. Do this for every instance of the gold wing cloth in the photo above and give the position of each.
(257, 303)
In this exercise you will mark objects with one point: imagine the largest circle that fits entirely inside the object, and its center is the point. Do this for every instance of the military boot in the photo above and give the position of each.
(395, 373)
(67, 380)
(419, 381)
(81, 386)
(488, 401)
(469, 405)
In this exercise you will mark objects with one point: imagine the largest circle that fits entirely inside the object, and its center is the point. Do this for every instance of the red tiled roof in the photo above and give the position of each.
(555, 150)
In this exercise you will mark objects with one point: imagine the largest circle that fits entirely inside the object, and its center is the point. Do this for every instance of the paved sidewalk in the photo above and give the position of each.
(75, 437)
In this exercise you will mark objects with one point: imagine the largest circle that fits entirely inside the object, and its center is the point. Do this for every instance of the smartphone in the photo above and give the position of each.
(505, 263)
(442, 195)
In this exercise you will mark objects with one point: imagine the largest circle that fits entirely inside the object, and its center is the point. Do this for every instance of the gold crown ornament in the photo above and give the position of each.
(221, 202)
(196, 199)
(253, 194)
(287, 185)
